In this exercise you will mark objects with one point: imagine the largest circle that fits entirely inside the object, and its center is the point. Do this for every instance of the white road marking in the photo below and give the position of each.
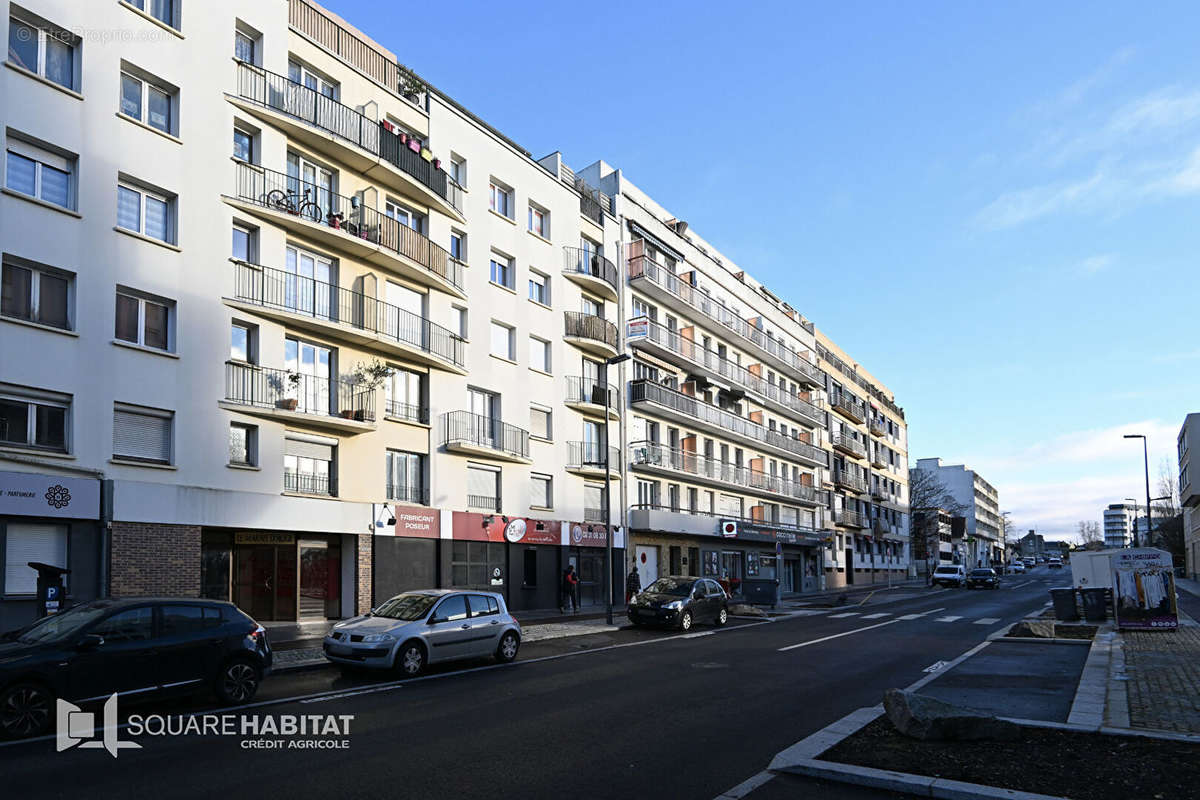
(1019, 585)
(986, 621)
(837, 635)
(935, 666)
(696, 635)
(947, 619)
(923, 613)
(879, 615)
(847, 614)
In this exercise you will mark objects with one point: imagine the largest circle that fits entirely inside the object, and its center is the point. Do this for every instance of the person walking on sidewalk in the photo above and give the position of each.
(633, 584)
(570, 590)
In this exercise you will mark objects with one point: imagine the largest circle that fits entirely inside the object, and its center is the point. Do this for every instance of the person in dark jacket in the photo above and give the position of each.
(570, 590)
(633, 583)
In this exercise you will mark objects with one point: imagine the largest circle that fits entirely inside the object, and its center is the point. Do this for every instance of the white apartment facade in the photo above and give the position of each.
(1189, 491)
(985, 543)
(1118, 524)
(290, 327)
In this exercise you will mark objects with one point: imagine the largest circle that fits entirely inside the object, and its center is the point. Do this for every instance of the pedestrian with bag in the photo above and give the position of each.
(633, 584)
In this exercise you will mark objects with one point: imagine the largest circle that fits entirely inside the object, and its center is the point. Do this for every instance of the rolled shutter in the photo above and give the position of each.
(142, 436)
(305, 449)
(481, 482)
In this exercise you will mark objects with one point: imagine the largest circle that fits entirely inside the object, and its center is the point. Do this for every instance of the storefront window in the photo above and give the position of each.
(477, 565)
(216, 559)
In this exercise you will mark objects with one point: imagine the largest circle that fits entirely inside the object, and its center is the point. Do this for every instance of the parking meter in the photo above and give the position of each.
(50, 592)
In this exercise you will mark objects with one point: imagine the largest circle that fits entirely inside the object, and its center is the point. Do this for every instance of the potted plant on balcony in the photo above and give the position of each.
(293, 379)
(368, 376)
(411, 87)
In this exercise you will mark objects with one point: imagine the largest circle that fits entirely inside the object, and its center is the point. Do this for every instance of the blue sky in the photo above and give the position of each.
(992, 207)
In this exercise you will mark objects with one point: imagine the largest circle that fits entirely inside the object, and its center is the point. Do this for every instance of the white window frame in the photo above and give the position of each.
(501, 195)
(549, 435)
(32, 400)
(43, 34)
(172, 7)
(251, 445)
(462, 245)
(543, 280)
(35, 291)
(509, 267)
(143, 411)
(143, 193)
(42, 159)
(323, 82)
(541, 217)
(548, 482)
(493, 331)
(458, 170)
(536, 343)
(459, 320)
(147, 85)
(142, 300)
(253, 136)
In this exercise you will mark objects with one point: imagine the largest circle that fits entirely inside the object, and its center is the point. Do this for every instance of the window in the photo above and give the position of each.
(36, 294)
(243, 444)
(539, 354)
(405, 216)
(310, 78)
(458, 245)
(133, 625)
(483, 487)
(539, 422)
(482, 606)
(33, 420)
(502, 271)
(539, 287)
(25, 543)
(161, 10)
(43, 50)
(142, 434)
(406, 477)
(40, 173)
(478, 565)
(147, 101)
(452, 609)
(503, 341)
(144, 321)
(181, 620)
(593, 501)
(243, 145)
(458, 170)
(541, 491)
(243, 343)
(245, 244)
(404, 393)
(309, 465)
(500, 199)
(539, 221)
(246, 43)
(147, 212)
(458, 320)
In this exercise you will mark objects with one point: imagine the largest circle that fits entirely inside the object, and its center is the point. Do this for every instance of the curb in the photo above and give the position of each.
(1091, 695)
(1037, 639)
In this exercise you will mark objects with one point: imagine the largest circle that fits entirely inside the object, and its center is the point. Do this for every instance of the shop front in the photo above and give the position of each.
(405, 551)
(759, 562)
(48, 519)
(586, 551)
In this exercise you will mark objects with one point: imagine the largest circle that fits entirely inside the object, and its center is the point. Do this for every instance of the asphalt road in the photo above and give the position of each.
(628, 714)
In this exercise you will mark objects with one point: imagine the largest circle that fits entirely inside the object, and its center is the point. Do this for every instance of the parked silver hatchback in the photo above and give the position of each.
(414, 629)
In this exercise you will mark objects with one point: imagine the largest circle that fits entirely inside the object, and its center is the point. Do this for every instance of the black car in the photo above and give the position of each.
(679, 602)
(139, 646)
(985, 577)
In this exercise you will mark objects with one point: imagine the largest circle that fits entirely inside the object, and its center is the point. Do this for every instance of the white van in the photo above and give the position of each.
(950, 575)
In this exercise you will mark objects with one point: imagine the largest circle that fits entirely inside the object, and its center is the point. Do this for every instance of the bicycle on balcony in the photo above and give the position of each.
(290, 202)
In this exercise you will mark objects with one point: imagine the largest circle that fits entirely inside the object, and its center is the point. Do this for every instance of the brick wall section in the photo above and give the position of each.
(154, 559)
(365, 547)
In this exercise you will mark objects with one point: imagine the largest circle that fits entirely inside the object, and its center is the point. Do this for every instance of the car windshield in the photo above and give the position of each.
(981, 573)
(61, 626)
(672, 586)
(946, 570)
(407, 607)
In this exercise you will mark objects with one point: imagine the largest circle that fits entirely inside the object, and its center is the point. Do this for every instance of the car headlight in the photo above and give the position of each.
(674, 605)
(378, 637)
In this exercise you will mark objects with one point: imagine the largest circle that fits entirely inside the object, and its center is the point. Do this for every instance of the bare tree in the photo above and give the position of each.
(1006, 525)
(1088, 532)
(1168, 486)
(926, 490)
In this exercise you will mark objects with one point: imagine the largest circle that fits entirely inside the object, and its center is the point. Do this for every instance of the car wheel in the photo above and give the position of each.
(25, 710)
(410, 659)
(685, 622)
(238, 682)
(722, 617)
(507, 649)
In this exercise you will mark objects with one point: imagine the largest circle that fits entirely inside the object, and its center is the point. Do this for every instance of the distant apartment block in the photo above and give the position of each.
(981, 508)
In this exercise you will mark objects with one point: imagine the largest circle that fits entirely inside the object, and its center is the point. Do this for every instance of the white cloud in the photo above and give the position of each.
(1055, 508)
(1025, 205)
(1093, 264)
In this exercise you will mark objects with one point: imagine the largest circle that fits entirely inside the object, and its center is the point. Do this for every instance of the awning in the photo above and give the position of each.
(657, 242)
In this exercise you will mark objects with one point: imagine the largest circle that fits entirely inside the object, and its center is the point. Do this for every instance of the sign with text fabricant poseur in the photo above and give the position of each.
(32, 494)
(414, 521)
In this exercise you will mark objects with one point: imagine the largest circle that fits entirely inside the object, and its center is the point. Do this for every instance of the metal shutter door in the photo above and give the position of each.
(25, 543)
(143, 436)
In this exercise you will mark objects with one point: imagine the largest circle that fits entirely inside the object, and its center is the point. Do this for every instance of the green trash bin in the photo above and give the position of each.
(1064, 604)
(1095, 606)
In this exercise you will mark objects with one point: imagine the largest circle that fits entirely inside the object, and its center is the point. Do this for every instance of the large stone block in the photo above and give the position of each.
(927, 718)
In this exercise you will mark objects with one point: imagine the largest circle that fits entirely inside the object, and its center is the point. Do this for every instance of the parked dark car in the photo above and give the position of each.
(985, 578)
(680, 602)
(142, 646)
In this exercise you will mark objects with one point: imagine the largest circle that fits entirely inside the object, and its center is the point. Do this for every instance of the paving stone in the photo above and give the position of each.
(1163, 678)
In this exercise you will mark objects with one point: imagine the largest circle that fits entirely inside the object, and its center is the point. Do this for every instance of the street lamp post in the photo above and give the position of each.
(1146, 463)
(608, 543)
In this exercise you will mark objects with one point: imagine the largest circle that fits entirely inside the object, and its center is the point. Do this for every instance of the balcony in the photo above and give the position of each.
(848, 445)
(477, 435)
(413, 495)
(650, 517)
(690, 411)
(850, 519)
(879, 458)
(670, 462)
(880, 527)
(590, 333)
(659, 282)
(309, 483)
(848, 480)
(673, 346)
(405, 412)
(591, 271)
(880, 494)
(484, 502)
(585, 395)
(595, 515)
(327, 309)
(849, 406)
(344, 223)
(587, 459)
(345, 135)
(878, 428)
(290, 397)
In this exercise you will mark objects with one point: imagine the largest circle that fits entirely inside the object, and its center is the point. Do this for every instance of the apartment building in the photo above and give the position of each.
(868, 481)
(985, 531)
(285, 325)
(1189, 492)
(1119, 524)
(934, 541)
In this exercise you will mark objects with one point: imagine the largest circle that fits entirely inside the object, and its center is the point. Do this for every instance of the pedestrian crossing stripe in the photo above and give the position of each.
(911, 616)
(847, 614)
(987, 621)
(877, 616)
(947, 619)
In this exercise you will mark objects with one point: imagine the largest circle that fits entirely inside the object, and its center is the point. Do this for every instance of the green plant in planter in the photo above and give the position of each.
(411, 86)
(368, 376)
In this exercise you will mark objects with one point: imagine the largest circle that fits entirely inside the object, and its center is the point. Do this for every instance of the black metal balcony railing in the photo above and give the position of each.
(484, 501)
(589, 326)
(309, 483)
(880, 527)
(280, 93)
(475, 429)
(588, 390)
(406, 411)
(849, 480)
(654, 454)
(286, 291)
(263, 387)
(848, 443)
(648, 391)
(586, 262)
(288, 194)
(713, 362)
(591, 208)
(643, 267)
(590, 455)
(851, 405)
(851, 519)
(786, 527)
(417, 495)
